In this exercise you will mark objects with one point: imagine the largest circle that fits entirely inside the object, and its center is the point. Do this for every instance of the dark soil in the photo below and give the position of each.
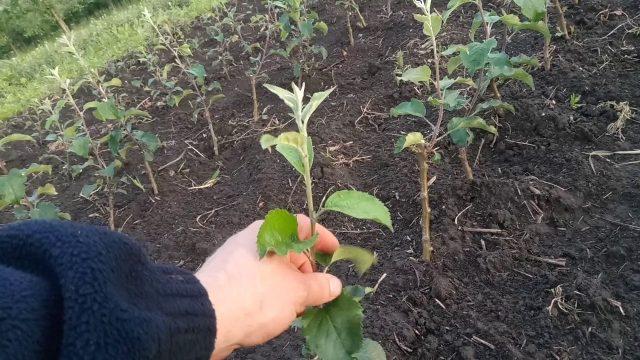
(486, 296)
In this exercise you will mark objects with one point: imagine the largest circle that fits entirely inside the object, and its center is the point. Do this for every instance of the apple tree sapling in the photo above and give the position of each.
(333, 331)
(351, 7)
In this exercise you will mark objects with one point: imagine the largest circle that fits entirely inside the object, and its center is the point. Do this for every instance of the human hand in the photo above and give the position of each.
(256, 299)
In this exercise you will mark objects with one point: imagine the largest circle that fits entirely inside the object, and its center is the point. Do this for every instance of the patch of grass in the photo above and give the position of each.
(24, 81)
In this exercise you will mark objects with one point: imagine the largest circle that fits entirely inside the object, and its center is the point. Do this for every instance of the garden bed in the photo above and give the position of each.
(559, 279)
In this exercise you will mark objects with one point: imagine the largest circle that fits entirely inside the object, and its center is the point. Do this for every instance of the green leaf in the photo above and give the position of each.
(88, 190)
(115, 82)
(13, 138)
(150, 143)
(80, 146)
(13, 187)
(113, 141)
(447, 83)
(356, 291)
(493, 104)
(414, 107)
(489, 17)
(453, 64)
(453, 100)
(359, 205)
(47, 189)
(104, 110)
(313, 104)
(508, 72)
(361, 258)
(525, 60)
(37, 169)
(285, 95)
(279, 234)
(199, 72)
(477, 55)
(452, 6)
(513, 21)
(408, 140)
(417, 75)
(534, 10)
(306, 28)
(370, 350)
(322, 27)
(431, 24)
(334, 332)
(45, 211)
(77, 169)
(110, 170)
(133, 112)
(458, 129)
(185, 50)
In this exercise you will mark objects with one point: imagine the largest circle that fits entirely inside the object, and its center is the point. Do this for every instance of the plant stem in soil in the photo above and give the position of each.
(423, 162)
(152, 178)
(547, 45)
(464, 159)
(351, 40)
(254, 94)
(561, 19)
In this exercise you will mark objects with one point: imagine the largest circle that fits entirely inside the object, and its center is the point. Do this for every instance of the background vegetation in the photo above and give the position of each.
(24, 78)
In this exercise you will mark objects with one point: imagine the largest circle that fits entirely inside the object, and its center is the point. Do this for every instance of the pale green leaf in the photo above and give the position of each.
(453, 64)
(414, 107)
(47, 189)
(408, 140)
(493, 104)
(88, 190)
(363, 259)
(458, 129)
(334, 332)
(37, 169)
(477, 55)
(370, 350)
(279, 234)
(115, 82)
(45, 211)
(452, 6)
(421, 74)
(13, 138)
(313, 104)
(534, 10)
(285, 95)
(13, 187)
(80, 146)
(359, 205)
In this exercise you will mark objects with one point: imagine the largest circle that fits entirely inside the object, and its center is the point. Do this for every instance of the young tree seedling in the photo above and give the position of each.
(350, 7)
(334, 331)
(562, 22)
(299, 28)
(535, 11)
(195, 72)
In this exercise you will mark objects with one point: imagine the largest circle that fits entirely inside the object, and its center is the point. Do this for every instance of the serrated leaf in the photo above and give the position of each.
(508, 72)
(113, 141)
(414, 107)
(452, 6)
(104, 110)
(150, 143)
(453, 100)
(110, 170)
(279, 234)
(361, 258)
(421, 74)
(185, 50)
(524, 60)
(13, 187)
(453, 64)
(447, 83)
(408, 140)
(370, 350)
(458, 129)
(199, 72)
(359, 205)
(47, 189)
(477, 55)
(13, 138)
(534, 10)
(80, 146)
(322, 27)
(285, 95)
(77, 169)
(334, 332)
(431, 24)
(493, 104)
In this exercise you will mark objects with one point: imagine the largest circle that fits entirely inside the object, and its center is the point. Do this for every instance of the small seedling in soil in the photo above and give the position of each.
(299, 29)
(260, 51)
(14, 188)
(535, 11)
(482, 67)
(562, 22)
(574, 101)
(351, 7)
(195, 72)
(333, 331)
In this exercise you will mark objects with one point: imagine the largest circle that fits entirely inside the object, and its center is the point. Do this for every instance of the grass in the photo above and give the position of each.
(23, 79)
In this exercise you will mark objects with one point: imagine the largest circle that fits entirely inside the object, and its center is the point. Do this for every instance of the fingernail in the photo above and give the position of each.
(335, 286)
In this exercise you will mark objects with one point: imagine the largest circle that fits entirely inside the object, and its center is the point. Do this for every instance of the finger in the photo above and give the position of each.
(320, 288)
(327, 242)
(301, 262)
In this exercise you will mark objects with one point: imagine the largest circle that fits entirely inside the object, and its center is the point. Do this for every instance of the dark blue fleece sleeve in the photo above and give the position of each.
(70, 291)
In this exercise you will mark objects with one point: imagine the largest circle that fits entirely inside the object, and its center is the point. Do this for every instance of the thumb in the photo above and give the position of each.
(320, 288)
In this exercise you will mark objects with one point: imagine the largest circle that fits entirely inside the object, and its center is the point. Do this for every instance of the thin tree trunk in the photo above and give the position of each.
(256, 110)
(423, 162)
(112, 212)
(152, 178)
(214, 138)
(547, 45)
(464, 159)
(561, 19)
(60, 21)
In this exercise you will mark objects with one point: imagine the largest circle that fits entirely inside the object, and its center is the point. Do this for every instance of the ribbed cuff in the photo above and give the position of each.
(191, 318)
